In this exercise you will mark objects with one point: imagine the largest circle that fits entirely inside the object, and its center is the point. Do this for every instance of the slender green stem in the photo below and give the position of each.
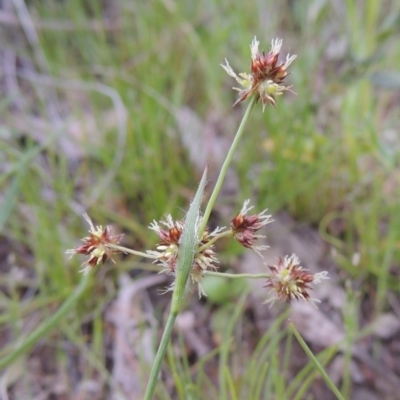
(155, 370)
(237, 276)
(225, 167)
(214, 239)
(48, 325)
(130, 251)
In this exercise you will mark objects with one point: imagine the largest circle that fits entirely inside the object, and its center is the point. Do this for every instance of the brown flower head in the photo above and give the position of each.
(96, 245)
(167, 249)
(290, 281)
(206, 256)
(266, 74)
(205, 259)
(245, 226)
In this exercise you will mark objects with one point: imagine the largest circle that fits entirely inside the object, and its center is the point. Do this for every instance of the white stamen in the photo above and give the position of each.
(254, 48)
(276, 45)
(245, 209)
(289, 60)
(229, 70)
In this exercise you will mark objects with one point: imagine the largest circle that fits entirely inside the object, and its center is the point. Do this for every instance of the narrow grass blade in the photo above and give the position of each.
(48, 325)
(10, 198)
(317, 364)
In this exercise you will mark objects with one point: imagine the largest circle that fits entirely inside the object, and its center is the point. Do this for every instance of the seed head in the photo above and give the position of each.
(266, 74)
(290, 281)
(96, 245)
(245, 226)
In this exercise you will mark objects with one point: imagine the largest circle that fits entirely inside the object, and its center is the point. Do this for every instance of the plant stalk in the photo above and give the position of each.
(123, 249)
(155, 370)
(237, 276)
(225, 166)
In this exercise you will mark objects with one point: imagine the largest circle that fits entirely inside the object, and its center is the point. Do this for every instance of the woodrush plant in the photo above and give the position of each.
(186, 247)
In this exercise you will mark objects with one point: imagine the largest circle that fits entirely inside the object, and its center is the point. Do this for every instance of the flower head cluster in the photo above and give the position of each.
(244, 227)
(204, 259)
(266, 77)
(96, 245)
(290, 281)
(170, 231)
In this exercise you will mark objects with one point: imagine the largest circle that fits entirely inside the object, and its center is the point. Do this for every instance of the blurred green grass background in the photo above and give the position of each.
(88, 122)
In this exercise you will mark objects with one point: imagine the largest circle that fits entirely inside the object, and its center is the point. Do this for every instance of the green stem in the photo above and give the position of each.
(237, 276)
(51, 323)
(225, 167)
(214, 239)
(130, 251)
(155, 370)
